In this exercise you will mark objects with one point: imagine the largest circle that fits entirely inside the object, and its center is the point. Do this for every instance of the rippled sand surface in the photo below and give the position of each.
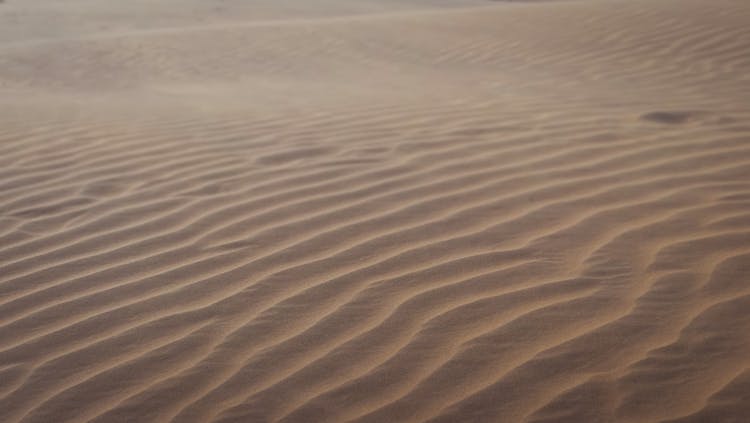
(375, 211)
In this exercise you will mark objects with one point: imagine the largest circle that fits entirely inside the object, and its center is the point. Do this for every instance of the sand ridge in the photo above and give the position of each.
(375, 211)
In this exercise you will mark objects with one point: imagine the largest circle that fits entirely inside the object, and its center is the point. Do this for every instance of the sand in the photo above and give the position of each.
(375, 211)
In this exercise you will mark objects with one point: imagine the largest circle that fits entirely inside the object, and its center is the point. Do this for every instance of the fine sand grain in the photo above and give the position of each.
(375, 211)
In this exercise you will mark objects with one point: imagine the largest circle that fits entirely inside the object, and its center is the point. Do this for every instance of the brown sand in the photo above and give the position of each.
(374, 211)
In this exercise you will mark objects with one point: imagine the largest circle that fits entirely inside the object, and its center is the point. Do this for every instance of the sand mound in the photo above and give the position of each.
(375, 211)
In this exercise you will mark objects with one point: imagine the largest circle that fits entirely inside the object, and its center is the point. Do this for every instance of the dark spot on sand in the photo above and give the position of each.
(668, 118)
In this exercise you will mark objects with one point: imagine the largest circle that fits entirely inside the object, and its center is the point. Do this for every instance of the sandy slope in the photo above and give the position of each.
(375, 211)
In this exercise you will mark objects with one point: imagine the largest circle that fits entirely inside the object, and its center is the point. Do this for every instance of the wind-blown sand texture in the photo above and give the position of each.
(374, 211)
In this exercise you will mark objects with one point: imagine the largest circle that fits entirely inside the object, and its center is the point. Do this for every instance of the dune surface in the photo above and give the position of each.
(375, 211)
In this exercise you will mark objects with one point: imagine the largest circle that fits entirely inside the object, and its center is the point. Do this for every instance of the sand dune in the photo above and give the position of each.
(375, 211)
